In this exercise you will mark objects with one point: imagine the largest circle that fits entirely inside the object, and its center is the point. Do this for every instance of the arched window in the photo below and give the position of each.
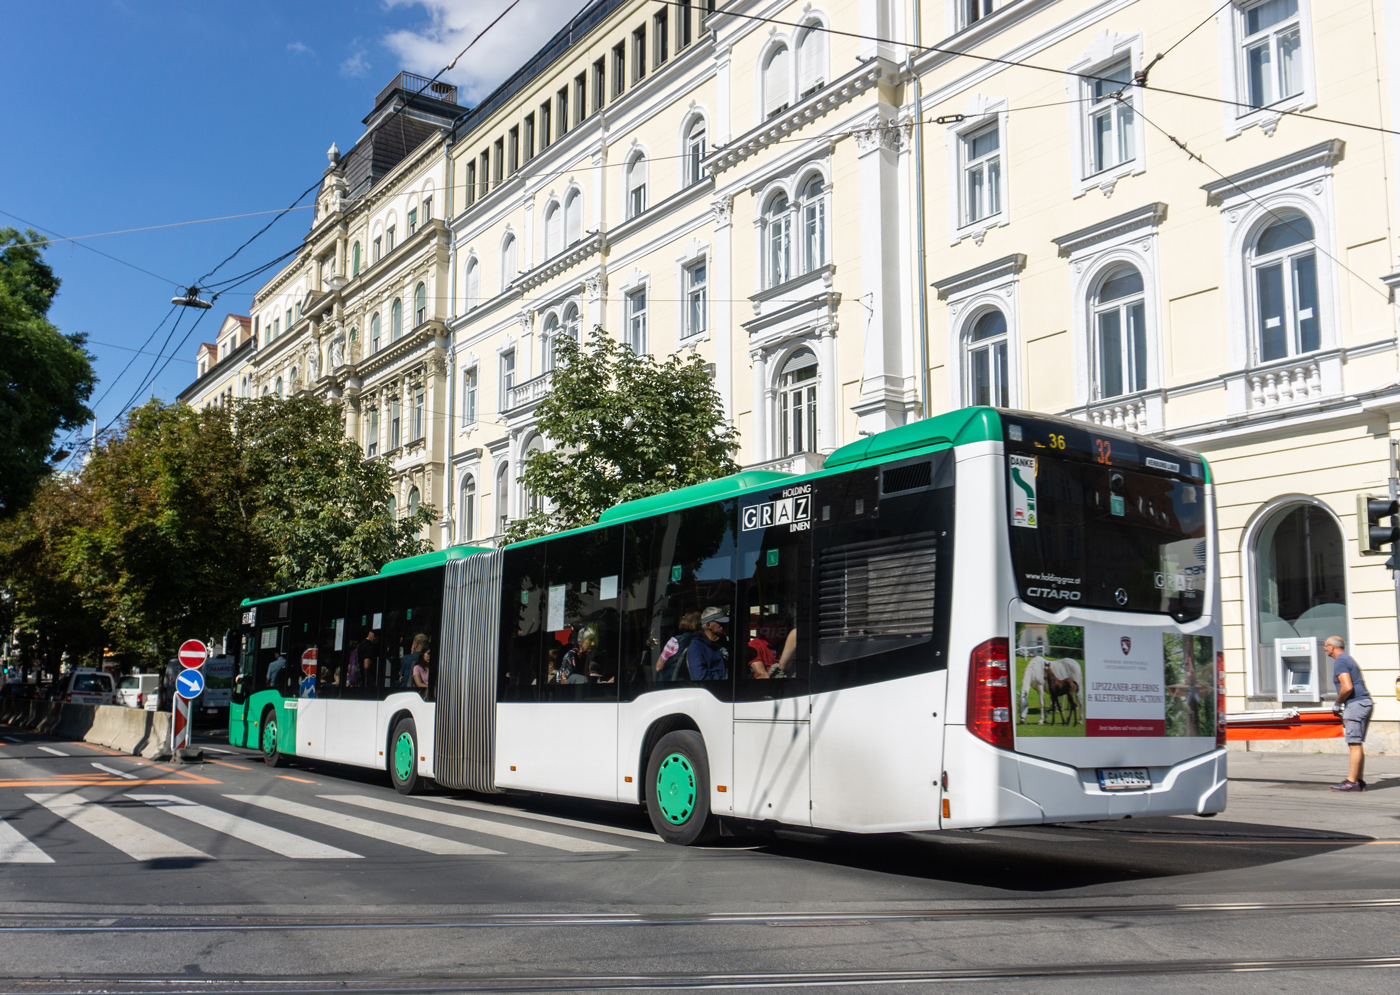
(813, 225)
(1284, 262)
(279, 386)
(778, 221)
(573, 217)
(1299, 583)
(553, 229)
(571, 322)
(797, 401)
(420, 305)
(777, 81)
(467, 515)
(811, 58)
(393, 507)
(534, 503)
(473, 289)
(636, 185)
(508, 262)
(1120, 333)
(395, 320)
(355, 259)
(549, 341)
(413, 500)
(985, 367)
(694, 152)
(502, 497)
(374, 333)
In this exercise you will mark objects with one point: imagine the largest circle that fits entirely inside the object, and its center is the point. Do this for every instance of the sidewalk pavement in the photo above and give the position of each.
(1290, 789)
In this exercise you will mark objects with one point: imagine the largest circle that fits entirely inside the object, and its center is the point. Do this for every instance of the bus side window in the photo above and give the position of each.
(641, 579)
(413, 607)
(772, 620)
(331, 648)
(247, 662)
(582, 623)
(364, 647)
(302, 636)
(522, 618)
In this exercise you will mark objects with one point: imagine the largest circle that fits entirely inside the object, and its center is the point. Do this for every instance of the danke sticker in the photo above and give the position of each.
(1023, 492)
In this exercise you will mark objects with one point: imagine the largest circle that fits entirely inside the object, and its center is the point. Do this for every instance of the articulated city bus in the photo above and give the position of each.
(985, 618)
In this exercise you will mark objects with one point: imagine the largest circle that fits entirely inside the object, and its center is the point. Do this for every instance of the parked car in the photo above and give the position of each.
(18, 690)
(86, 686)
(134, 689)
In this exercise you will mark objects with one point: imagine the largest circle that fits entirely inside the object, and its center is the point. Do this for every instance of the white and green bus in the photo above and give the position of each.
(985, 618)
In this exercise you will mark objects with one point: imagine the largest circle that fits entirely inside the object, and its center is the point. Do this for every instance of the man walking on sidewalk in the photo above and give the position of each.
(1354, 706)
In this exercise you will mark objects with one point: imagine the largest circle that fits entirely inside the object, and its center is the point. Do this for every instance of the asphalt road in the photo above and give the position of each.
(121, 875)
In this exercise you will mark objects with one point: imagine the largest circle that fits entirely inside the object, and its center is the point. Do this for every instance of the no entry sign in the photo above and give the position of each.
(192, 653)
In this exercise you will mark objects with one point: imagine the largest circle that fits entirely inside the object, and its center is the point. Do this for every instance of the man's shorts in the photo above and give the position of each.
(1356, 717)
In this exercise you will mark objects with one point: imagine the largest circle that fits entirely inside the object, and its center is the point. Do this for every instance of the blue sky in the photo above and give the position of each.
(122, 115)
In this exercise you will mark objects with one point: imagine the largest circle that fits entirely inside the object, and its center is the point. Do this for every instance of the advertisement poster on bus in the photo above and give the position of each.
(1072, 680)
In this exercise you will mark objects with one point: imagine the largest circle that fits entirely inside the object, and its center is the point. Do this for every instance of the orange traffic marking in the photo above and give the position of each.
(288, 777)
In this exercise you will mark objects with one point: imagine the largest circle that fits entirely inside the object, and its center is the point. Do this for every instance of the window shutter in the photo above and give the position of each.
(776, 82)
(810, 61)
(552, 224)
(573, 218)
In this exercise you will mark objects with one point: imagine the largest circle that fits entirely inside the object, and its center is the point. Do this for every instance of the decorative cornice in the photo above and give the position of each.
(1149, 214)
(422, 335)
(819, 104)
(552, 267)
(986, 273)
(1324, 155)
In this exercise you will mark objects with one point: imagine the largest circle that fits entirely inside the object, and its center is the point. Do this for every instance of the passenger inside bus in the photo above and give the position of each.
(707, 654)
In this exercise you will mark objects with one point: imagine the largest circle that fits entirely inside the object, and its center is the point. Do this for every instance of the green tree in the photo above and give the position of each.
(44, 376)
(624, 426)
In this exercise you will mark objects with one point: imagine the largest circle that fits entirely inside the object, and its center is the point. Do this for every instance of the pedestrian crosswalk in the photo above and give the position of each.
(153, 826)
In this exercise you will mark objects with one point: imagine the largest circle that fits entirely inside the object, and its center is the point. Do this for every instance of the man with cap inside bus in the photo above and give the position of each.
(706, 655)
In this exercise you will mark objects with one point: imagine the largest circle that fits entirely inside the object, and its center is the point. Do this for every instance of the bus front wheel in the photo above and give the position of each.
(403, 757)
(268, 740)
(678, 790)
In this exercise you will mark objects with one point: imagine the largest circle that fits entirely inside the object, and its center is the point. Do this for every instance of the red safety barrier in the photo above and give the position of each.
(1307, 725)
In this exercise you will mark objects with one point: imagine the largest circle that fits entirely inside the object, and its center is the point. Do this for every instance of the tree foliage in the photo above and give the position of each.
(623, 426)
(44, 376)
(182, 514)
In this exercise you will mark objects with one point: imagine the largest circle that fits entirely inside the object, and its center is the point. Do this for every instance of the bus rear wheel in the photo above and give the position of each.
(403, 757)
(268, 740)
(678, 790)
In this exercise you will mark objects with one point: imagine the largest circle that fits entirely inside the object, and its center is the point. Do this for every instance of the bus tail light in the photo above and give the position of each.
(989, 694)
(1219, 700)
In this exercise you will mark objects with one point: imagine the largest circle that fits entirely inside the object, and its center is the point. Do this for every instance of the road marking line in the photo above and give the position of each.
(555, 820)
(15, 849)
(1053, 837)
(10, 739)
(126, 834)
(519, 833)
(1266, 842)
(266, 837)
(299, 780)
(113, 770)
(210, 749)
(222, 763)
(103, 749)
(364, 827)
(57, 753)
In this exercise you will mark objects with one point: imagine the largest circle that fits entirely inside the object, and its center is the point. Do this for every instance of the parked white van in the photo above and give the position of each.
(133, 690)
(87, 686)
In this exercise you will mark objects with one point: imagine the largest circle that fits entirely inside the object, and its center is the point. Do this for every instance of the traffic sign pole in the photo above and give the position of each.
(180, 727)
(189, 685)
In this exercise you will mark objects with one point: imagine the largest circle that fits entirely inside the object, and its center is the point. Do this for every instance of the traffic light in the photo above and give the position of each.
(1370, 533)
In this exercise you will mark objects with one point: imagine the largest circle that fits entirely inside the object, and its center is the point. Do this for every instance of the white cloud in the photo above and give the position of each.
(355, 65)
(452, 24)
(300, 49)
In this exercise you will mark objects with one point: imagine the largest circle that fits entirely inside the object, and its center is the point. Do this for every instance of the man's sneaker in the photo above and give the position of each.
(1348, 786)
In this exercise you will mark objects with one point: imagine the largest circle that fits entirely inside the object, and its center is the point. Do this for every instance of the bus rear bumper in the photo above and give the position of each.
(1032, 790)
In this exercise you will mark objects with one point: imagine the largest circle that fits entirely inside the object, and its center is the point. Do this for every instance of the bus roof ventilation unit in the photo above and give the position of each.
(909, 477)
(956, 428)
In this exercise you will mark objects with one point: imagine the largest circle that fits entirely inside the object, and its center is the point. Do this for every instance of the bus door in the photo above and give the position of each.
(770, 633)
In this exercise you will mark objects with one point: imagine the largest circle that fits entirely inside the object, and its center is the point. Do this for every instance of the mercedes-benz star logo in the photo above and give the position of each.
(1120, 596)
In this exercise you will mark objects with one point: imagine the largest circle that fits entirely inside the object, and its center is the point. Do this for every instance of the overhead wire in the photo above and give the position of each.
(82, 245)
(131, 231)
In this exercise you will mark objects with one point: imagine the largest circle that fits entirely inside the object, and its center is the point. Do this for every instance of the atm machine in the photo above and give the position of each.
(1299, 671)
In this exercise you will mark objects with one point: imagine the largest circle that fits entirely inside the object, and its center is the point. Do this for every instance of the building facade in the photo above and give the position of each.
(862, 212)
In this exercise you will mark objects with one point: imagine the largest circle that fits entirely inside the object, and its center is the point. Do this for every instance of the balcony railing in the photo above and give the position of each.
(415, 84)
(528, 393)
(1127, 414)
(1293, 383)
(795, 463)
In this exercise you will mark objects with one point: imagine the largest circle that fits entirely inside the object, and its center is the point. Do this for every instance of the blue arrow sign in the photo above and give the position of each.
(190, 684)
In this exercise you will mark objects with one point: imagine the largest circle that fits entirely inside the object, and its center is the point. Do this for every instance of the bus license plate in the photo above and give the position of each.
(1124, 779)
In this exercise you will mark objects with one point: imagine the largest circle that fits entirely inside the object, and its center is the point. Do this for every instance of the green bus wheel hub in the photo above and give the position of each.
(403, 757)
(675, 788)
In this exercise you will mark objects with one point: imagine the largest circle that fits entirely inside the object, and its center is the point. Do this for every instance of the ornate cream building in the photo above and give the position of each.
(865, 210)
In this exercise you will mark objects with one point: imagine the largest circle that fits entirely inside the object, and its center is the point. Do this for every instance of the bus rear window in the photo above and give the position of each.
(1094, 536)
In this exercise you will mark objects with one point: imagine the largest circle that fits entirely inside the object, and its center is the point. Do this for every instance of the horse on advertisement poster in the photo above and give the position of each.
(1036, 678)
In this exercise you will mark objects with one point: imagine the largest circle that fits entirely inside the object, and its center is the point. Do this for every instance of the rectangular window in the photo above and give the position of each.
(389, 238)
(696, 298)
(469, 396)
(639, 53)
(394, 420)
(972, 11)
(412, 222)
(546, 124)
(599, 83)
(418, 413)
(471, 183)
(619, 69)
(1272, 51)
(498, 166)
(981, 151)
(637, 321)
(529, 137)
(289, 319)
(372, 433)
(683, 25)
(561, 101)
(1110, 122)
(507, 377)
(276, 328)
(659, 38)
(580, 93)
(378, 248)
(514, 149)
(485, 172)
(427, 209)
